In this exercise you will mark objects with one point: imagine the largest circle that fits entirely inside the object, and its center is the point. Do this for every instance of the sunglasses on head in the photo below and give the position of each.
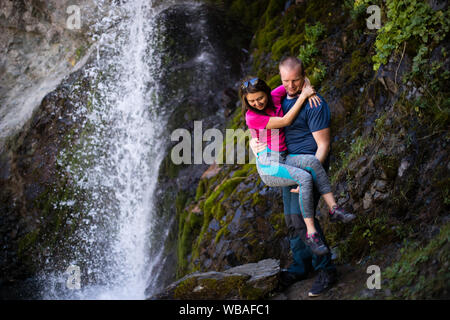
(249, 82)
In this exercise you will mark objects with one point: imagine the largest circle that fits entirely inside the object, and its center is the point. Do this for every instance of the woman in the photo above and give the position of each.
(266, 122)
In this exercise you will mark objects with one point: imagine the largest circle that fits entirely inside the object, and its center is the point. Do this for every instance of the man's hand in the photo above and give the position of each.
(296, 190)
(323, 141)
(257, 146)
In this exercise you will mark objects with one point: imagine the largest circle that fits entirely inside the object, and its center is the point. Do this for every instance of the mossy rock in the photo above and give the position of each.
(275, 81)
(389, 164)
(249, 281)
(422, 270)
(212, 285)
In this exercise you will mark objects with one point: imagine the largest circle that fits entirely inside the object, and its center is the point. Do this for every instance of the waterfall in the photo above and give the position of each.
(116, 160)
(101, 225)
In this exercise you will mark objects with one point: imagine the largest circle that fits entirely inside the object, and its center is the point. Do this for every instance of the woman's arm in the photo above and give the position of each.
(288, 118)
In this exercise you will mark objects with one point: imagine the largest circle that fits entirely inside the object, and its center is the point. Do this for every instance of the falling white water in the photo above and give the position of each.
(112, 163)
(117, 161)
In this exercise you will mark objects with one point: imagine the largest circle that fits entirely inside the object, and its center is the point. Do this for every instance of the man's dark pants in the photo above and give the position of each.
(304, 259)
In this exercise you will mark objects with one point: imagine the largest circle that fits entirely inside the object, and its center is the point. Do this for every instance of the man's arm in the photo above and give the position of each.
(257, 146)
(323, 140)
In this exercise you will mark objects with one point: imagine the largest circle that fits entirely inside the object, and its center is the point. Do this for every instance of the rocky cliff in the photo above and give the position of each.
(41, 42)
(388, 93)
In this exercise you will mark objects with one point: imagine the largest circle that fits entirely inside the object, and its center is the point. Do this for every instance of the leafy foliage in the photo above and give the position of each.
(315, 69)
(409, 20)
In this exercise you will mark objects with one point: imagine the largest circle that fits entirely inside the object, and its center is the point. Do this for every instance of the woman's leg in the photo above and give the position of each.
(311, 164)
(276, 174)
(320, 178)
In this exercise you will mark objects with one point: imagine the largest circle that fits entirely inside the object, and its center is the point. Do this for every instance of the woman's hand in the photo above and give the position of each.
(308, 90)
(314, 100)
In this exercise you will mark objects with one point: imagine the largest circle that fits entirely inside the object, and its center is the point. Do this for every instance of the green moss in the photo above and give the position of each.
(284, 45)
(51, 205)
(266, 36)
(222, 232)
(184, 288)
(189, 226)
(201, 189)
(225, 288)
(357, 148)
(246, 11)
(27, 241)
(355, 67)
(275, 81)
(80, 52)
(277, 221)
(193, 228)
(212, 205)
(223, 191)
(251, 293)
(379, 128)
(228, 287)
(367, 234)
(169, 169)
(237, 121)
(422, 270)
(246, 170)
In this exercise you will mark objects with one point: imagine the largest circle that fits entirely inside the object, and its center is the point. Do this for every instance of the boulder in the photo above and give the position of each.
(248, 281)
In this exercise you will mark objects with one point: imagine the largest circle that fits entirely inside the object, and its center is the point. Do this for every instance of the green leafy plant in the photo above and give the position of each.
(357, 8)
(307, 52)
(312, 35)
(413, 27)
(412, 21)
(315, 69)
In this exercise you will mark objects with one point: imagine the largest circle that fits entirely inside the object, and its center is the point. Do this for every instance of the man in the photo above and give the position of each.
(308, 134)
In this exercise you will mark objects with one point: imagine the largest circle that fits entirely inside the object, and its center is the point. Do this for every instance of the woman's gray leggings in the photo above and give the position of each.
(305, 171)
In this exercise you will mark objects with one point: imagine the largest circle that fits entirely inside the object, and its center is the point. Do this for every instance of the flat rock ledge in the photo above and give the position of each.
(249, 281)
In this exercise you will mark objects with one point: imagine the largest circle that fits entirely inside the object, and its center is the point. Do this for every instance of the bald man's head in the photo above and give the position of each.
(292, 75)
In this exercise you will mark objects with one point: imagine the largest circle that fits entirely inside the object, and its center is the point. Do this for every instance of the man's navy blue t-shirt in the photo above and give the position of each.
(299, 138)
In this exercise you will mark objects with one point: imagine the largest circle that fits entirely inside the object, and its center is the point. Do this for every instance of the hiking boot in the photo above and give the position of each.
(287, 278)
(315, 243)
(339, 214)
(324, 281)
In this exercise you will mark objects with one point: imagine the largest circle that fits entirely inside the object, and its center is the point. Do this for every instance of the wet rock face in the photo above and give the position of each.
(37, 49)
(29, 180)
(248, 281)
(201, 66)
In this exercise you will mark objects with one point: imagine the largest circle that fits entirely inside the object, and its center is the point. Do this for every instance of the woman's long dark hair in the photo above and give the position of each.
(246, 87)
